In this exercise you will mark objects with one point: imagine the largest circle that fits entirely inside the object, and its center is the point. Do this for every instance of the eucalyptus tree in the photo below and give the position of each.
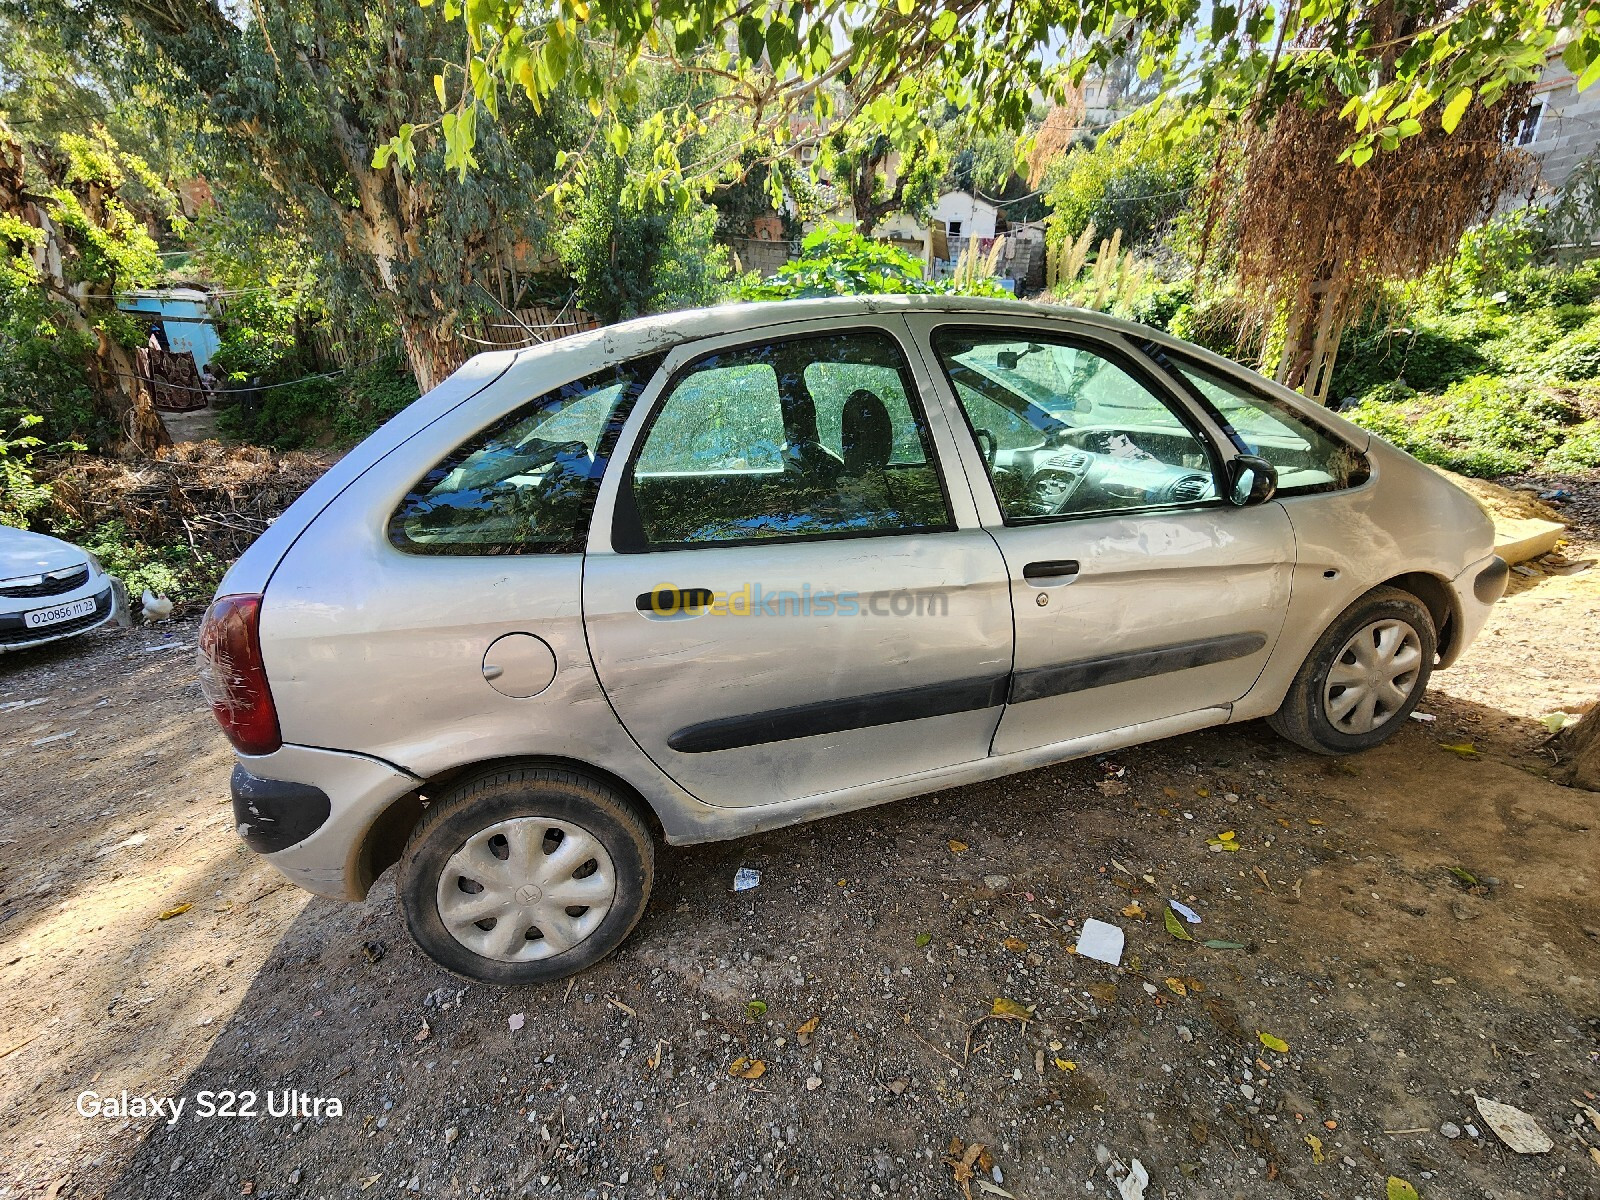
(294, 97)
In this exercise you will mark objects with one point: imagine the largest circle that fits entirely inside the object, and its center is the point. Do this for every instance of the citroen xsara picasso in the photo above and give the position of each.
(716, 572)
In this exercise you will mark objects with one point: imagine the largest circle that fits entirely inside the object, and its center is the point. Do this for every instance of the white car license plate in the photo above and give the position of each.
(61, 612)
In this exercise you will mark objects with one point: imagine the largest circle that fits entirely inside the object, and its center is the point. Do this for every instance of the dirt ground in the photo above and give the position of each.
(143, 949)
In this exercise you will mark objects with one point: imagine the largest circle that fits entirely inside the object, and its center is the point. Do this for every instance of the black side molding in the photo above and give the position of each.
(272, 815)
(837, 716)
(1085, 674)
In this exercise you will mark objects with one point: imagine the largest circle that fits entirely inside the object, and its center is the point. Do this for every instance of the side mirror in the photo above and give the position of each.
(1251, 480)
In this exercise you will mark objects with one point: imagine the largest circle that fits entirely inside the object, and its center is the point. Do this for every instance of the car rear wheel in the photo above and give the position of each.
(525, 876)
(1364, 676)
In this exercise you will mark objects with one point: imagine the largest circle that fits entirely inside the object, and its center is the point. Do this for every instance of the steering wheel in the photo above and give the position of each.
(1054, 482)
(989, 445)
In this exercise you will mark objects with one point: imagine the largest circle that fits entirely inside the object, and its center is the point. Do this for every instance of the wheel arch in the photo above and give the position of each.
(1440, 600)
(386, 837)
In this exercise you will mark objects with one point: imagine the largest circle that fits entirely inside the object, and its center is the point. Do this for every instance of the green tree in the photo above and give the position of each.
(631, 254)
(1390, 79)
(294, 102)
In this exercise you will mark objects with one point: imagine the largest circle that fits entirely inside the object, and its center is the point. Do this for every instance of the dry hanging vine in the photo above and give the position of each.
(1310, 239)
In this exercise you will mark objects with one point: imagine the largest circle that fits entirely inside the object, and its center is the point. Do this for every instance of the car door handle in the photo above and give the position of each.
(668, 601)
(1057, 570)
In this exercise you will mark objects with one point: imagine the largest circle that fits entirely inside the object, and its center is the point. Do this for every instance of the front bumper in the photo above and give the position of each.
(110, 603)
(308, 813)
(1476, 591)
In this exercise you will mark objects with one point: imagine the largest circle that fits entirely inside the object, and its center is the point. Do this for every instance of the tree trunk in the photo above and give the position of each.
(1579, 748)
(432, 355)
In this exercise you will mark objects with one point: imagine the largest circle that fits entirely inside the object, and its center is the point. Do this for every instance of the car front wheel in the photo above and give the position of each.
(525, 876)
(1364, 676)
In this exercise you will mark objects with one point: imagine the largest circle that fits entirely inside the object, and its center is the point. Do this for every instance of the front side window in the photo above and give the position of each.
(1307, 457)
(812, 437)
(527, 484)
(1067, 430)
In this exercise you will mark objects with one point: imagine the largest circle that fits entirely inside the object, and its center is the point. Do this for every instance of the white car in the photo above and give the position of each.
(50, 589)
(711, 573)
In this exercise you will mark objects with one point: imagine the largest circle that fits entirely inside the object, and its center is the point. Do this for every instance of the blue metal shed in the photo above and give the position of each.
(184, 313)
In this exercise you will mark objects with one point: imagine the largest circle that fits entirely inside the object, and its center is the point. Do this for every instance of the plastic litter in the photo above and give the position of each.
(1184, 911)
(1101, 941)
(1514, 1127)
(746, 878)
(1130, 1178)
(1425, 717)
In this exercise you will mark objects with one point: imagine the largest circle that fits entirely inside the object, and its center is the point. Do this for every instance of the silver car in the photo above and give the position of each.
(51, 589)
(706, 574)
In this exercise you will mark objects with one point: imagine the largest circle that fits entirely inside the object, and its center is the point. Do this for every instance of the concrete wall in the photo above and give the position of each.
(1568, 126)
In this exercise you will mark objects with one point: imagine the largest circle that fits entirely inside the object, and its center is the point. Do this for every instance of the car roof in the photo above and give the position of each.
(645, 335)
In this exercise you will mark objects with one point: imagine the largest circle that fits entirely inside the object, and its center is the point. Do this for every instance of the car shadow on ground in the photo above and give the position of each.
(689, 1064)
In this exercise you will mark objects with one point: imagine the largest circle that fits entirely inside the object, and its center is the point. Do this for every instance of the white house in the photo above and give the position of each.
(964, 215)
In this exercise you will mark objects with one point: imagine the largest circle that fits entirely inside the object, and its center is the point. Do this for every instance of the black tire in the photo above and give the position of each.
(1303, 719)
(471, 808)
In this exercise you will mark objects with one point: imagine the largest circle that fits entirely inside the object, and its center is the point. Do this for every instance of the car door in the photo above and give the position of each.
(1138, 592)
(787, 592)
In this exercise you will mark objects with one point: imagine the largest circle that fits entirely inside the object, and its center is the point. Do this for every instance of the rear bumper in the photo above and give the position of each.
(308, 813)
(1476, 590)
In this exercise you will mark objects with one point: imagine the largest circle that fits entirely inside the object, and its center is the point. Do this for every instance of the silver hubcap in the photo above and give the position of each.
(526, 889)
(1373, 676)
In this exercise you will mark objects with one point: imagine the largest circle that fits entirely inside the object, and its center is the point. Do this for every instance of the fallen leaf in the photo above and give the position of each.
(1133, 910)
(1399, 1189)
(1465, 877)
(1312, 821)
(747, 1068)
(1112, 787)
(1066, 1064)
(1177, 987)
(1461, 749)
(175, 912)
(1317, 1156)
(807, 1028)
(923, 940)
(1514, 1127)
(1170, 793)
(1219, 944)
(1175, 926)
(1015, 944)
(1594, 1153)
(955, 846)
(1010, 1009)
(1273, 1043)
(423, 1034)
(1106, 993)
(899, 1086)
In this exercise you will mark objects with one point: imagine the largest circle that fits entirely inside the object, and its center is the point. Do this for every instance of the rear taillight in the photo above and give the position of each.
(233, 677)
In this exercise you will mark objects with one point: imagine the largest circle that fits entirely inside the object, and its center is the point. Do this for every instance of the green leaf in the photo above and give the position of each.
(1451, 117)
(1273, 1042)
(1359, 155)
(1175, 926)
(752, 39)
(1590, 74)
(943, 26)
(1218, 944)
(924, 939)
(1410, 127)
(1399, 1189)
(438, 85)
(756, 1009)
(1224, 20)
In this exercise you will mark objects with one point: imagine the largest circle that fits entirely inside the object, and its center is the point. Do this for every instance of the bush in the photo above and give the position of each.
(1215, 322)
(178, 571)
(1487, 426)
(336, 411)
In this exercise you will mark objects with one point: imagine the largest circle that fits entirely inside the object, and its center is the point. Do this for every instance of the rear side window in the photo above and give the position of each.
(527, 484)
(1308, 458)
